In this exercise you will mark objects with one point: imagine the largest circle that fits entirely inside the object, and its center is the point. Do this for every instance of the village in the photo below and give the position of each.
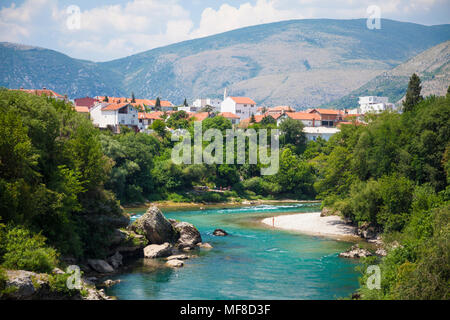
(139, 114)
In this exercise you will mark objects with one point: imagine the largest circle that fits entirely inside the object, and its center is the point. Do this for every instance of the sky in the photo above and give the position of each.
(103, 30)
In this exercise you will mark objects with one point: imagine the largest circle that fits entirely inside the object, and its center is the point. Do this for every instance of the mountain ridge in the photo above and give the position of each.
(432, 66)
(303, 63)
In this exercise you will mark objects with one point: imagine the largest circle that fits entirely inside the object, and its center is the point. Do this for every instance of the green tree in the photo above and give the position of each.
(292, 133)
(158, 104)
(413, 96)
(207, 108)
(133, 99)
(268, 120)
(106, 99)
(160, 127)
(185, 102)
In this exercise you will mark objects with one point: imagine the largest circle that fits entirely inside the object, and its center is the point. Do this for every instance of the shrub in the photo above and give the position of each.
(25, 251)
(58, 284)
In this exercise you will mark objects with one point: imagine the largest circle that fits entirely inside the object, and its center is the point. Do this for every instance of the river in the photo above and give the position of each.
(253, 262)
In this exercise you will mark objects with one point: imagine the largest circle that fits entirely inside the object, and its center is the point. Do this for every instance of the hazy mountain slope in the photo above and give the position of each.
(432, 66)
(303, 63)
(32, 67)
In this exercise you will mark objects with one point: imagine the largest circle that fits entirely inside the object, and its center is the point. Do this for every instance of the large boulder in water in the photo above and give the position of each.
(189, 235)
(155, 227)
(158, 250)
(101, 266)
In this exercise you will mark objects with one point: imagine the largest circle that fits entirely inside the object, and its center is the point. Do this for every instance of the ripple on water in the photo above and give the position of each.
(251, 263)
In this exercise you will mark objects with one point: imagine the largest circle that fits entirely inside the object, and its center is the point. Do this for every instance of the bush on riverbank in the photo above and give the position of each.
(52, 172)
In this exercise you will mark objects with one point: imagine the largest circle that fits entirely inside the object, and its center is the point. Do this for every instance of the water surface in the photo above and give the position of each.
(253, 262)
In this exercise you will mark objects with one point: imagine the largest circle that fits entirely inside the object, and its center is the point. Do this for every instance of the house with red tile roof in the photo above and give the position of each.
(329, 117)
(85, 102)
(199, 116)
(113, 115)
(44, 92)
(308, 119)
(230, 116)
(259, 117)
(243, 107)
(280, 109)
(165, 105)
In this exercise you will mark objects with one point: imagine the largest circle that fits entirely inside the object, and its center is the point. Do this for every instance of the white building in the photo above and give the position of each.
(312, 133)
(201, 103)
(112, 115)
(241, 106)
(374, 104)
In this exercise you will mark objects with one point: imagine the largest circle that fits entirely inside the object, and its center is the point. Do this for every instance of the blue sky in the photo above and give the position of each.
(110, 29)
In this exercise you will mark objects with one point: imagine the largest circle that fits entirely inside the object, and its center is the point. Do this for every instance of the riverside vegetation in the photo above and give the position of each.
(62, 182)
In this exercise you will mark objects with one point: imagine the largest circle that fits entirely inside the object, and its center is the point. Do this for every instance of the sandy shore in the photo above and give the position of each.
(313, 224)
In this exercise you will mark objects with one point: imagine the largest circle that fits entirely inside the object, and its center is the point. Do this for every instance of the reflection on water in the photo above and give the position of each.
(253, 262)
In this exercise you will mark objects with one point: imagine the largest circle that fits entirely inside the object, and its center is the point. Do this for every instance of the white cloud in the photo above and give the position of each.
(19, 22)
(228, 18)
(114, 31)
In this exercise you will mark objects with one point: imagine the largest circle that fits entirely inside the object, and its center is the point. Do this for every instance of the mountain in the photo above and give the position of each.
(432, 66)
(303, 63)
(35, 68)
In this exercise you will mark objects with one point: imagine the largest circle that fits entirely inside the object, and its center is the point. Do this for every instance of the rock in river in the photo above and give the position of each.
(189, 235)
(175, 263)
(220, 233)
(116, 260)
(156, 228)
(158, 250)
(101, 266)
(205, 245)
(355, 252)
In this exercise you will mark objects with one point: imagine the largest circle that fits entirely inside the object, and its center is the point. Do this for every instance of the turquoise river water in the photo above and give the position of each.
(253, 262)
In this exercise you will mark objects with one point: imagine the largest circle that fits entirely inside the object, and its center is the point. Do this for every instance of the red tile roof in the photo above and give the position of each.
(326, 111)
(114, 106)
(259, 118)
(200, 116)
(229, 115)
(85, 102)
(40, 92)
(275, 115)
(303, 116)
(243, 100)
(281, 109)
(146, 102)
(82, 109)
(151, 116)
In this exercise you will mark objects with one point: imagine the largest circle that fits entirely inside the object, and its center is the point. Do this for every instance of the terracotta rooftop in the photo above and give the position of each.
(243, 100)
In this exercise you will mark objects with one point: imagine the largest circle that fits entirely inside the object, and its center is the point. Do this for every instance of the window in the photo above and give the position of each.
(245, 105)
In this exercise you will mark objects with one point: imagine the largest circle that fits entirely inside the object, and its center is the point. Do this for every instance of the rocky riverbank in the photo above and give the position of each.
(152, 236)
